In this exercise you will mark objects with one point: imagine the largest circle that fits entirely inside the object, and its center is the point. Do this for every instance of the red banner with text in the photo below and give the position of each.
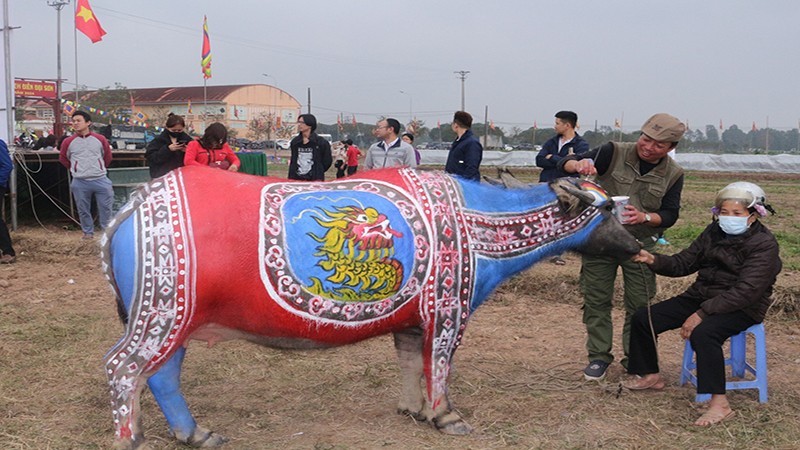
(34, 89)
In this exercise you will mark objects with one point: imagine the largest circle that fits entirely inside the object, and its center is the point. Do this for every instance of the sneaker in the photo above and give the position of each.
(8, 259)
(87, 236)
(596, 370)
(662, 241)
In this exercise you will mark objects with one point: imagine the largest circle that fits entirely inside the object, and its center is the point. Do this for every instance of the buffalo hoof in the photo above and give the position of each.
(416, 415)
(130, 444)
(451, 423)
(203, 438)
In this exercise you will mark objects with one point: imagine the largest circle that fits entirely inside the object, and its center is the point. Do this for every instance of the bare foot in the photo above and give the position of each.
(714, 415)
(640, 383)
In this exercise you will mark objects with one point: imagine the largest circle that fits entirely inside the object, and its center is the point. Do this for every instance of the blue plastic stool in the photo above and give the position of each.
(738, 363)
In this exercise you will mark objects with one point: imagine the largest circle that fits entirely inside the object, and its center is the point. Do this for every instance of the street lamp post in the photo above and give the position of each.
(410, 106)
(275, 80)
(58, 5)
(463, 75)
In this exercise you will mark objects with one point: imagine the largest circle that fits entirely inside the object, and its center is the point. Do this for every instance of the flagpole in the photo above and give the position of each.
(58, 5)
(205, 102)
(75, 37)
(9, 107)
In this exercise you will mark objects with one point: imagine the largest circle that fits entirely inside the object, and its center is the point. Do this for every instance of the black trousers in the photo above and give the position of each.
(5, 238)
(707, 339)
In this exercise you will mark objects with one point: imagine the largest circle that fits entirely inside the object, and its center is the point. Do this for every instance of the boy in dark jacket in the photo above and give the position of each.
(466, 152)
(566, 142)
(311, 154)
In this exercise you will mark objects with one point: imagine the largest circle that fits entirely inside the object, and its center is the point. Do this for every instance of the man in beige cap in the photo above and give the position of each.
(653, 182)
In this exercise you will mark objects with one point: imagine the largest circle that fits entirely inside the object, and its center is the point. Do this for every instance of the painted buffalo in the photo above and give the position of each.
(212, 255)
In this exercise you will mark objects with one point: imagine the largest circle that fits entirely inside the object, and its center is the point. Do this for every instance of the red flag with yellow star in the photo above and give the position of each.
(86, 22)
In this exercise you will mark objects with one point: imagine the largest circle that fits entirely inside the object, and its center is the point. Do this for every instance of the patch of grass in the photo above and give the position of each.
(681, 235)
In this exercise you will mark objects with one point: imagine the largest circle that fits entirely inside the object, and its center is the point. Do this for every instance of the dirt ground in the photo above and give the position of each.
(517, 378)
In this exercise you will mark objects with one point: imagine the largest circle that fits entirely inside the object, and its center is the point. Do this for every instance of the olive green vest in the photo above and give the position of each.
(645, 191)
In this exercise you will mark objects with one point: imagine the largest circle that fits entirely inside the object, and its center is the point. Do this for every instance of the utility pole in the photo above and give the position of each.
(309, 100)
(486, 127)
(58, 5)
(463, 75)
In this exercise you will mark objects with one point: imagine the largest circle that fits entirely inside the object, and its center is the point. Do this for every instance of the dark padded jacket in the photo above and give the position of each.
(550, 168)
(160, 158)
(733, 272)
(465, 157)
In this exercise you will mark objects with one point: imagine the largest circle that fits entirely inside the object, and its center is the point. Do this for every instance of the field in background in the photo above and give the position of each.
(517, 376)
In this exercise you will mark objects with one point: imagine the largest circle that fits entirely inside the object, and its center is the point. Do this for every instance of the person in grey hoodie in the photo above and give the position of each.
(87, 155)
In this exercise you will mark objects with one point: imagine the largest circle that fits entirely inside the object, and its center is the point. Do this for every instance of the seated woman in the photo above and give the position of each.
(212, 150)
(736, 258)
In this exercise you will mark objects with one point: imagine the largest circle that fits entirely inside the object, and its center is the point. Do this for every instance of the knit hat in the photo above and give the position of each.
(664, 128)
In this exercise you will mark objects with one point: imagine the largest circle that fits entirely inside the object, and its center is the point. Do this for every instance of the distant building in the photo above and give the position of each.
(37, 116)
(233, 105)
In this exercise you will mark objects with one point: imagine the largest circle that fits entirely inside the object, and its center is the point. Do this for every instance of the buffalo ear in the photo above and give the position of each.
(493, 181)
(509, 180)
(570, 196)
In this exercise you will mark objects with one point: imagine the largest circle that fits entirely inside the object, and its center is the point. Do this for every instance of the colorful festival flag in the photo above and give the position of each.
(720, 124)
(617, 124)
(86, 22)
(354, 120)
(189, 107)
(754, 126)
(205, 61)
(534, 125)
(491, 124)
(69, 109)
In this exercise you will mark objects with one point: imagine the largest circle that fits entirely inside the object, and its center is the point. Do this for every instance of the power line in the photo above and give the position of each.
(244, 42)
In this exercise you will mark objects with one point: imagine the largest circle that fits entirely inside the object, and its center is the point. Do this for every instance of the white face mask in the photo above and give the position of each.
(734, 225)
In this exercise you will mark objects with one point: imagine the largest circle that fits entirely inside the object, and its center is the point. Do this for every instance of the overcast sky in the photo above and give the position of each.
(703, 61)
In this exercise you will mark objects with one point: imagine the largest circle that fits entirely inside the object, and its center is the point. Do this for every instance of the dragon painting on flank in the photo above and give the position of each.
(211, 255)
(357, 250)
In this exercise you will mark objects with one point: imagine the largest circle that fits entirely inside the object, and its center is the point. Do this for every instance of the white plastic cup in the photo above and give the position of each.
(588, 177)
(619, 206)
